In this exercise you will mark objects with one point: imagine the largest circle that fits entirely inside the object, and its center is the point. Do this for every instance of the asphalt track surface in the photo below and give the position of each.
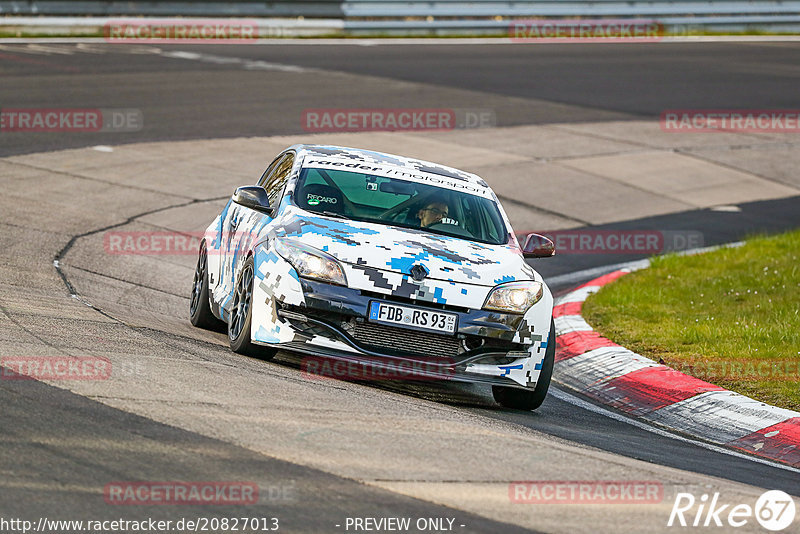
(63, 443)
(218, 94)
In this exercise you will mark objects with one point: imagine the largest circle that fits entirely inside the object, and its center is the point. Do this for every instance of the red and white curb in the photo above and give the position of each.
(640, 387)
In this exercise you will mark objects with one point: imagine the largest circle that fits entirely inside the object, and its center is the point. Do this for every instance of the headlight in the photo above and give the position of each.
(310, 262)
(514, 297)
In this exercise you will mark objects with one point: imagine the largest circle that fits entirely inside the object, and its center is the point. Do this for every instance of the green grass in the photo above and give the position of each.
(731, 316)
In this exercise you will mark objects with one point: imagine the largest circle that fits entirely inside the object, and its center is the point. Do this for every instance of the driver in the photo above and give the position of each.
(432, 213)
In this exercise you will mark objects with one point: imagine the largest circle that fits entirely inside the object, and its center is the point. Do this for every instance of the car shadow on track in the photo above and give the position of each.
(440, 391)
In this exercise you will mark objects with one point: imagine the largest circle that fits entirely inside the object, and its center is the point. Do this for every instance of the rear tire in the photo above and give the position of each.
(200, 313)
(530, 399)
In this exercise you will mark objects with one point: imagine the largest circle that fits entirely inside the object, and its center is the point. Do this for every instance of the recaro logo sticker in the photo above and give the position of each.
(313, 200)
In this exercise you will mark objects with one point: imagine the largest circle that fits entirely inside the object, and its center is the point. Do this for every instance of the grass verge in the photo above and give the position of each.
(730, 317)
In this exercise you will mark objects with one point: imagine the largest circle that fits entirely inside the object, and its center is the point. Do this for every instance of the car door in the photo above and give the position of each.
(243, 225)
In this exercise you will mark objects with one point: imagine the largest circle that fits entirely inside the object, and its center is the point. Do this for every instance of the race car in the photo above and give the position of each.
(370, 258)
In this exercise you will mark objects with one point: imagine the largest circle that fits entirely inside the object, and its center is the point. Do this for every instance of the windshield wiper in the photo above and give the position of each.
(333, 214)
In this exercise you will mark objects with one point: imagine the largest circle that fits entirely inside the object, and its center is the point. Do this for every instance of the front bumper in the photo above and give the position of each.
(489, 347)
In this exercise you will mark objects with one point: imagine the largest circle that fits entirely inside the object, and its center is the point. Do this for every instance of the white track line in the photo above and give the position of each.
(571, 399)
(594, 272)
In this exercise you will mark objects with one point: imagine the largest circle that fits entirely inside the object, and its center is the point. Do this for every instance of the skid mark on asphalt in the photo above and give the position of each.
(98, 180)
(69, 50)
(247, 64)
(136, 284)
(60, 255)
(38, 62)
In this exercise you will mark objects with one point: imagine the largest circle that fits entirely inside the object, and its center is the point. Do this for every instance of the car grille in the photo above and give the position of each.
(414, 302)
(400, 340)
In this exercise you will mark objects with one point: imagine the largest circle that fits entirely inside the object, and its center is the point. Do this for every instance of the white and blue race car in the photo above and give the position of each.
(362, 256)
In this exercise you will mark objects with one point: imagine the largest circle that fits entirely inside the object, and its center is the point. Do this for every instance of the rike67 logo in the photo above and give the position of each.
(774, 510)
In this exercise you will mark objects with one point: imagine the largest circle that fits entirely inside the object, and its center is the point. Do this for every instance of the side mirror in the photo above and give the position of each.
(538, 246)
(253, 197)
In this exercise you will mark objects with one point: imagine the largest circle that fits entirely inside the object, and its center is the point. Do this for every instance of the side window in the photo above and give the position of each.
(263, 180)
(276, 176)
(277, 181)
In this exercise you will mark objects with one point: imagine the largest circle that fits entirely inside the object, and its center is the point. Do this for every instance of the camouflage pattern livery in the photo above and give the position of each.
(376, 261)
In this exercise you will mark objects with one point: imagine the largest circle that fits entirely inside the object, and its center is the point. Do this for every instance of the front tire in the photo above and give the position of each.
(530, 399)
(241, 317)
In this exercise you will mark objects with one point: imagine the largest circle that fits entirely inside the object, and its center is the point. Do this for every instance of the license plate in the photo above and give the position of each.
(417, 318)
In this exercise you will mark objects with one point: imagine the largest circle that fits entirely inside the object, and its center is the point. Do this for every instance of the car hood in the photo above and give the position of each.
(391, 249)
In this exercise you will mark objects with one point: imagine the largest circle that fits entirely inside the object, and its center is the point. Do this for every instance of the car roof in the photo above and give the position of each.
(337, 153)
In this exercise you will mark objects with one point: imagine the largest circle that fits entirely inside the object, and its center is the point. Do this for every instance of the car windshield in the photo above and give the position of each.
(378, 199)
